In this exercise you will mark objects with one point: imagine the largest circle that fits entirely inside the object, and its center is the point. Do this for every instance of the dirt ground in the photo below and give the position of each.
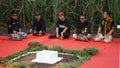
(29, 58)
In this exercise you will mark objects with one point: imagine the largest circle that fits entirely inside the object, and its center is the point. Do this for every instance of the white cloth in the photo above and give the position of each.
(24, 35)
(18, 36)
(101, 37)
(81, 36)
(15, 37)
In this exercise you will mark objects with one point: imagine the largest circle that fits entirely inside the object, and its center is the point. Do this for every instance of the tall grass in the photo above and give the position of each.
(92, 9)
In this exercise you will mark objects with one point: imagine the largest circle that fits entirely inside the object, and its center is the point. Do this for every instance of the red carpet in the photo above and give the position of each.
(6, 67)
(108, 56)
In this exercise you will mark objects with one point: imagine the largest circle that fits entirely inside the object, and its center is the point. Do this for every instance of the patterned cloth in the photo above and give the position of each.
(107, 26)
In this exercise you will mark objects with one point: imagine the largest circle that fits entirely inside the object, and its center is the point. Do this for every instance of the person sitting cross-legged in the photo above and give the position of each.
(83, 31)
(38, 28)
(106, 28)
(14, 28)
(62, 27)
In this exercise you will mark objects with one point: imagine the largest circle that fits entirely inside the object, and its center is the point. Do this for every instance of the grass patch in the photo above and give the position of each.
(18, 64)
(83, 55)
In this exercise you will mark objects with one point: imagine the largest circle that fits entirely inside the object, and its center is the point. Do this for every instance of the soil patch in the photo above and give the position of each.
(30, 57)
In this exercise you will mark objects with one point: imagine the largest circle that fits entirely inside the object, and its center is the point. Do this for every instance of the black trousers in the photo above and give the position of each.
(37, 33)
(66, 35)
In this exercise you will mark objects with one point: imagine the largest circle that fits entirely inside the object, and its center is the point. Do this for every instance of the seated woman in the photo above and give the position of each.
(38, 28)
(14, 28)
(62, 27)
(83, 31)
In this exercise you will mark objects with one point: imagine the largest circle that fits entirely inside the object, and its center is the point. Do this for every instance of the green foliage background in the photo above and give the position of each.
(92, 9)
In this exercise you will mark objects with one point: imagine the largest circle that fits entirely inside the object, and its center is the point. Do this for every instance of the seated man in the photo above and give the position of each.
(105, 29)
(62, 27)
(38, 25)
(83, 31)
(14, 28)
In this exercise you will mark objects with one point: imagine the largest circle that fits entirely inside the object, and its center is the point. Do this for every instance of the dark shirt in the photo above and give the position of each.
(62, 24)
(81, 27)
(107, 26)
(39, 25)
(13, 25)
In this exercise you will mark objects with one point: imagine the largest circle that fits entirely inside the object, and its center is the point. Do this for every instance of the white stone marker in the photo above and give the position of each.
(47, 56)
(118, 26)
